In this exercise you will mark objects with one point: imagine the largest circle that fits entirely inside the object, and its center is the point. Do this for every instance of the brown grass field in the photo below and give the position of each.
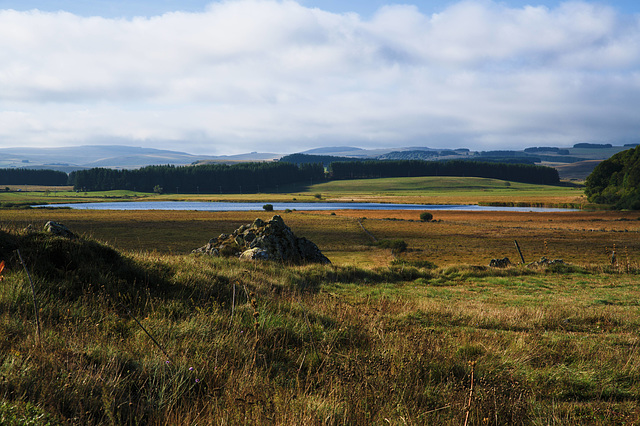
(452, 238)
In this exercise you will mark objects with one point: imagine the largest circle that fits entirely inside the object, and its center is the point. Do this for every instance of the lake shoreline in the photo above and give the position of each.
(289, 206)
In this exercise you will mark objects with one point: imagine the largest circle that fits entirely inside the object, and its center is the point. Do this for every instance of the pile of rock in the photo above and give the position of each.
(500, 263)
(546, 262)
(272, 240)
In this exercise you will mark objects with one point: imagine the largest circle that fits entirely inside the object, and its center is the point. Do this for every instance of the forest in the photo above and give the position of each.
(32, 177)
(270, 177)
(616, 181)
(525, 173)
(210, 178)
(326, 160)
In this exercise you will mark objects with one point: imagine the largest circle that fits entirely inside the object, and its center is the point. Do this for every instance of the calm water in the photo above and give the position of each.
(223, 206)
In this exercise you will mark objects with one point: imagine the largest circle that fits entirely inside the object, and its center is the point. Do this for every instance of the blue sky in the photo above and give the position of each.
(130, 8)
(283, 76)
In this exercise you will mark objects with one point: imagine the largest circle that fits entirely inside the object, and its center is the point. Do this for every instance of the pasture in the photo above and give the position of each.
(416, 190)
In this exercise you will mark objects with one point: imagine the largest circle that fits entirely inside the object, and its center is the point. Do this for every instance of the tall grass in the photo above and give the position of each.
(329, 344)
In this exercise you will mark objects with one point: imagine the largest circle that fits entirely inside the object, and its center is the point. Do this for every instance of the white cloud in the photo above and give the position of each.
(276, 76)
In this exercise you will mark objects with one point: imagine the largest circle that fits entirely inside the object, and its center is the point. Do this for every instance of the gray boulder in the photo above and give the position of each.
(254, 254)
(59, 230)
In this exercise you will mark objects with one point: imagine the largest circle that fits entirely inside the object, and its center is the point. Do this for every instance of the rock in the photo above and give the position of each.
(272, 240)
(59, 230)
(546, 262)
(254, 254)
(500, 263)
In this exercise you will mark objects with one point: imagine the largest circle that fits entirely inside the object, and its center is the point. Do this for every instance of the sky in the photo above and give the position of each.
(236, 76)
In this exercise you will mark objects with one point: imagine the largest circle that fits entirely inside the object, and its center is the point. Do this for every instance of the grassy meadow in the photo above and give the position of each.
(450, 190)
(134, 329)
(417, 190)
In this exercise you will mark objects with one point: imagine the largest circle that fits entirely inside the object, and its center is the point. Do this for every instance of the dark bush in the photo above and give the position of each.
(268, 207)
(426, 216)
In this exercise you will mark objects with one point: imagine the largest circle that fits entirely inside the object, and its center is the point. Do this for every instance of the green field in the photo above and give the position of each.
(420, 190)
(449, 190)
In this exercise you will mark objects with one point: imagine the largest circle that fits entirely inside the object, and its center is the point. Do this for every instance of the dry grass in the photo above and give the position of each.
(452, 238)
(333, 345)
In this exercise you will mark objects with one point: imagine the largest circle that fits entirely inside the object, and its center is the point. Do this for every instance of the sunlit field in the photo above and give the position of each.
(450, 190)
(451, 238)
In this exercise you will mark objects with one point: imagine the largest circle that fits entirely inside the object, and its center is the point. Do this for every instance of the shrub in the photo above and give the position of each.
(426, 216)
(268, 207)
(397, 246)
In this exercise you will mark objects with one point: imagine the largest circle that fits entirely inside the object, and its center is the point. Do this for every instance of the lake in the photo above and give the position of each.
(232, 206)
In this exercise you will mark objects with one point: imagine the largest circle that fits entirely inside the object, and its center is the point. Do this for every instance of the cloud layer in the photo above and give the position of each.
(276, 76)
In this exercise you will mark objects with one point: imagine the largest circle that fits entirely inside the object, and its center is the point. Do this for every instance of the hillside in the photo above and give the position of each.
(575, 171)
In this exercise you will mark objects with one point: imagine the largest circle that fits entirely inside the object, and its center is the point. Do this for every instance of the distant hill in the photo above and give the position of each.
(68, 159)
(240, 158)
(332, 150)
(595, 153)
(578, 170)
(346, 151)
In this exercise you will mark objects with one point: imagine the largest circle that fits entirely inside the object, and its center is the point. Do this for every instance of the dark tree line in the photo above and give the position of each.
(313, 159)
(526, 173)
(32, 177)
(616, 181)
(593, 145)
(537, 149)
(210, 178)
(268, 177)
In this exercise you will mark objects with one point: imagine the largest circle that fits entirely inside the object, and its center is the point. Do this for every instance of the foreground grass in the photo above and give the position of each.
(257, 343)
